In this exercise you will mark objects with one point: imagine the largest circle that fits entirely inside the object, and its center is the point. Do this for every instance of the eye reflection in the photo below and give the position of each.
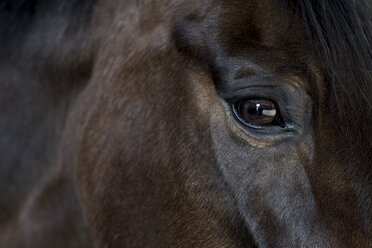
(259, 112)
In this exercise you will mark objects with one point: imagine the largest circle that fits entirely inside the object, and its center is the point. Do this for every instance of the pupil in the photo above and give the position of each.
(252, 111)
(260, 109)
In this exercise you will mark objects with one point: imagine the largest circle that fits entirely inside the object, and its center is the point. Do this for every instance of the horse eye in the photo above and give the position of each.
(257, 112)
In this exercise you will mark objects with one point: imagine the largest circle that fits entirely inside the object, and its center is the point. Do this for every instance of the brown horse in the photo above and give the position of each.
(174, 123)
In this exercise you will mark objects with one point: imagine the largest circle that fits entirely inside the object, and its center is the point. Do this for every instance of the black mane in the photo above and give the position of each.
(341, 34)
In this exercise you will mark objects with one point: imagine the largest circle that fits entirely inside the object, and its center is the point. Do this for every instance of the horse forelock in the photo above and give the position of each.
(341, 35)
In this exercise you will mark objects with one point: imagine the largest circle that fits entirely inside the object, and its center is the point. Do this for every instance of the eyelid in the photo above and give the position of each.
(283, 97)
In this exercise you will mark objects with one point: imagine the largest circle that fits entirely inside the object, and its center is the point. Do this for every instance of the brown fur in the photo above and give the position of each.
(121, 132)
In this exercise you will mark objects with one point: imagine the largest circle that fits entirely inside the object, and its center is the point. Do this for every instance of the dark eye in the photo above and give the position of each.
(257, 112)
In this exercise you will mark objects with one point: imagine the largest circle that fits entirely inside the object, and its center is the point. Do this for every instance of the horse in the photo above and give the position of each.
(173, 123)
